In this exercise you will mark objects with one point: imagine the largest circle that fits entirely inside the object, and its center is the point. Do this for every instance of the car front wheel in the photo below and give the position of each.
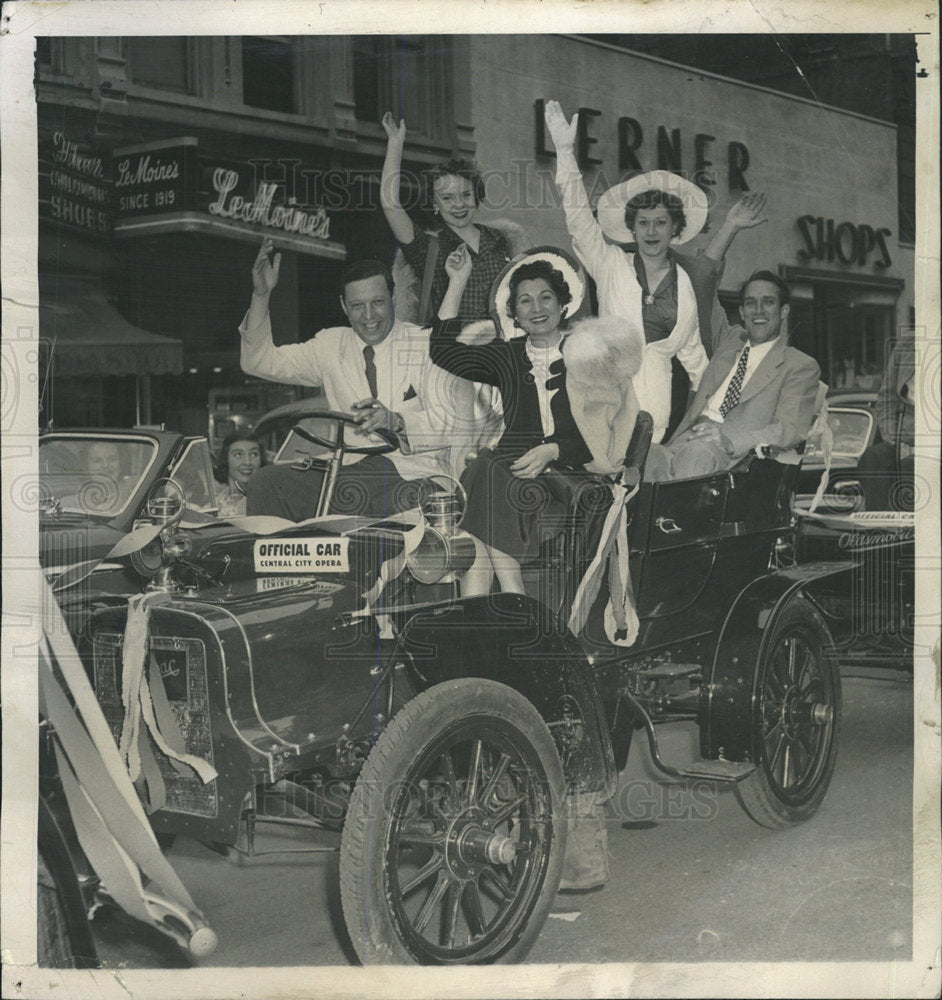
(451, 852)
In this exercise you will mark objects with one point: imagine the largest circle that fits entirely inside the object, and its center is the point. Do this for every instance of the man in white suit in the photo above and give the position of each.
(756, 391)
(377, 369)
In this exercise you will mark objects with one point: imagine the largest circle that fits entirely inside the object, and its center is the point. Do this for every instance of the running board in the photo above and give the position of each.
(719, 770)
(703, 769)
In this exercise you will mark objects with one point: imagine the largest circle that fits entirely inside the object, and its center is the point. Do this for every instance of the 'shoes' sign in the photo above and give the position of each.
(75, 186)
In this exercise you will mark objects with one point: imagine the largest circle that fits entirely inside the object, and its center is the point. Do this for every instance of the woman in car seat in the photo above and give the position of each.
(240, 456)
(505, 496)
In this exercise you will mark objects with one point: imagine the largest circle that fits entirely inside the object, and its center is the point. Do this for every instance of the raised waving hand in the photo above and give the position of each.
(266, 269)
(396, 215)
(748, 211)
(394, 133)
(562, 132)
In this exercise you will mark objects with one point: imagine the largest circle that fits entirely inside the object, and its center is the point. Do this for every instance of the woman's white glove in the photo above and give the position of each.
(563, 133)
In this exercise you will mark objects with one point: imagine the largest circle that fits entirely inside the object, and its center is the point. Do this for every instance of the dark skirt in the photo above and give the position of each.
(507, 513)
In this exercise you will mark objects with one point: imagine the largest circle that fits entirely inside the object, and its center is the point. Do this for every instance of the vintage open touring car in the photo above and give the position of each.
(330, 669)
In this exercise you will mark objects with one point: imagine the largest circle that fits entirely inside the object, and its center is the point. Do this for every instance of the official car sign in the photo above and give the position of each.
(302, 555)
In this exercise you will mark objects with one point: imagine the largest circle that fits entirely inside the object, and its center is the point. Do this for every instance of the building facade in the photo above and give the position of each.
(165, 161)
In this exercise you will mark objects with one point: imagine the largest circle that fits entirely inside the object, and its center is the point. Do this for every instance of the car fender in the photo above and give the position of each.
(514, 640)
(726, 695)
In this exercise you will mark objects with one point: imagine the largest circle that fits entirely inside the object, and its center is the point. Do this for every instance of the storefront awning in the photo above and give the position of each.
(88, 336)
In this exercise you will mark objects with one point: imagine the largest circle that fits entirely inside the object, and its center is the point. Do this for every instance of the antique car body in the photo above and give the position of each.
(316, 673)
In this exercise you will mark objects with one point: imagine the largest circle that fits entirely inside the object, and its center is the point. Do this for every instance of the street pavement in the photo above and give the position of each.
(693, 878)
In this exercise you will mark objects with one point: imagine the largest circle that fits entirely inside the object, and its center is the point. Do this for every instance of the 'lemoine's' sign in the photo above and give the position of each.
(165, 187)
(261, 210)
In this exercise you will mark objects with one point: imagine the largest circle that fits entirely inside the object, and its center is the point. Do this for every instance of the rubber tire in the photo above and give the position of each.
(367, 910)
(760, 795)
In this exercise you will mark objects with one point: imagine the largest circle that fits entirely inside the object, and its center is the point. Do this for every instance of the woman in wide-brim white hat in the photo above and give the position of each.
(667, 299)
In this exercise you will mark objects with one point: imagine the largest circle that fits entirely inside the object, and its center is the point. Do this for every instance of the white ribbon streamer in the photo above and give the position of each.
(136, 696)
(612, 550)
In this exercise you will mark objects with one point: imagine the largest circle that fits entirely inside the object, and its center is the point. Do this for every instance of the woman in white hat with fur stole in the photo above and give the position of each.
(533, 297)
(668, 300)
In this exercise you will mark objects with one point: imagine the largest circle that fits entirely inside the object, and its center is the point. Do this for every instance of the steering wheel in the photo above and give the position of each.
(392, 442)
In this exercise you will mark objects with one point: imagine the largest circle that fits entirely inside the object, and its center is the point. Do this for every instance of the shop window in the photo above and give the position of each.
(730, 303)
(801, 335)
(268, 73)
(161, 63)
(393, 74)
(855, 333)
(844, 327)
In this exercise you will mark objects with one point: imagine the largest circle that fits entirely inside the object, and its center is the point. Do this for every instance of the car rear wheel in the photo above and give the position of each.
(796, 720)
(451, 852)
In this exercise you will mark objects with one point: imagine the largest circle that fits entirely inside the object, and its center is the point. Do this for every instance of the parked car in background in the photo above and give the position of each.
(93, 490)
(870, 608)
(854, 427)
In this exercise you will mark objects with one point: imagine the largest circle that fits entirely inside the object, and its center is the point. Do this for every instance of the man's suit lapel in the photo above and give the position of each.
(716, 372)
(353, 364)
(395, 376)
(766, 371)
(400, 365)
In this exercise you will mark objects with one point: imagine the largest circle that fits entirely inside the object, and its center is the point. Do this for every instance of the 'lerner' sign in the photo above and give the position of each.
(261, 211)
(155, 178)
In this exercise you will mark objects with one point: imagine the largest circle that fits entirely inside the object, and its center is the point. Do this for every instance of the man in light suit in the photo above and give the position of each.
(377, 369)
(756, 391)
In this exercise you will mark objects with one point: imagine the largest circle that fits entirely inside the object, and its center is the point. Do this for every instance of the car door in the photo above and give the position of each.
(674, 537)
